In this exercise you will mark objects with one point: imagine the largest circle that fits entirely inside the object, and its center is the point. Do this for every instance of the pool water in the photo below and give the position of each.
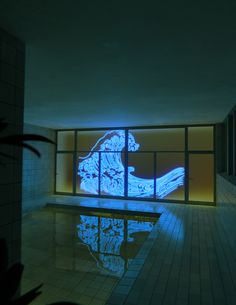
(79, 255)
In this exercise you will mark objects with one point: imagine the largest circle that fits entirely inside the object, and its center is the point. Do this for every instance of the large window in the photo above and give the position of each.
(166, 164)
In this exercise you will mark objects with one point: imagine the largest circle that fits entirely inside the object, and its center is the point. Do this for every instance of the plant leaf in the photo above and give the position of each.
(16, 139)
(11, 281)
(24, 145)
(28, 297)
(64, 303)
(31, 148)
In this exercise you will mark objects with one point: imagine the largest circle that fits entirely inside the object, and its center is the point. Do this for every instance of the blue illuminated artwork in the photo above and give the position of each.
(112, 170)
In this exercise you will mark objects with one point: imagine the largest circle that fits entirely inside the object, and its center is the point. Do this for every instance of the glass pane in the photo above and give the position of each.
(156, 139)
(200, 138)
(64, 173)
(100, 140)
(170, 176)
(87, 173)
(65, 140)
(201, 177)
(112, 174)
(140, 175)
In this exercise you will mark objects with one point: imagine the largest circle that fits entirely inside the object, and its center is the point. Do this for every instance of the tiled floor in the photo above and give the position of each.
(189, 257)
(192, 260)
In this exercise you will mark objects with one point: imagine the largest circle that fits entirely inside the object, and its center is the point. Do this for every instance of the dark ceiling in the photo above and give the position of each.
(125, 63)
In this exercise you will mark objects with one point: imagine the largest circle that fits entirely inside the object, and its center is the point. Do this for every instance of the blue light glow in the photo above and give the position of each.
(112, 170)
(105, 237)
(112, 235)
(88, 231)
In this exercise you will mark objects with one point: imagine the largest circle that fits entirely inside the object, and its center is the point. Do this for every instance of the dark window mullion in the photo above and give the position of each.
(155, 173)
(234, 143)
(75, 156)
(99, 173)
(214, 156)
(126, 163)
(55, 165)
(230, 145)
(186, 171)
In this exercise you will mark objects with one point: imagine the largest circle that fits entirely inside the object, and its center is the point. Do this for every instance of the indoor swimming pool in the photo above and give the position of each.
(79, 255)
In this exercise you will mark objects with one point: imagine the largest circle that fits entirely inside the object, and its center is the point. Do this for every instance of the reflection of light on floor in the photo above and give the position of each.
(176, 229)
(113, 242)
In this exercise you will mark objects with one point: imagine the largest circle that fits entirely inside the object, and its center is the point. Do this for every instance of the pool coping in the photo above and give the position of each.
(105, 210)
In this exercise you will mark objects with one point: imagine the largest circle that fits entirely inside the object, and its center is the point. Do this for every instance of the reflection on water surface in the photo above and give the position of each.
(113, 240)
(79, 256)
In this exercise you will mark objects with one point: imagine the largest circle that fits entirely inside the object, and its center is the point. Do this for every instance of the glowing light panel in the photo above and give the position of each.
(112, 170)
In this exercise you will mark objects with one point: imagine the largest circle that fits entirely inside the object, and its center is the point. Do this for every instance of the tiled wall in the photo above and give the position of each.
(226, 193)
(12, 57)
(38, 173)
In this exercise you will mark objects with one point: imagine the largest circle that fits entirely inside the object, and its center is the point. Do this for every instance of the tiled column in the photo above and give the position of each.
(12, 62)
(38, 173)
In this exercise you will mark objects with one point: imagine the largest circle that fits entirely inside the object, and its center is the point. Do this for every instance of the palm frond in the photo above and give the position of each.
(10, 281)
(15, 139)
(28, 297)
(31, 148)
(19, 140)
